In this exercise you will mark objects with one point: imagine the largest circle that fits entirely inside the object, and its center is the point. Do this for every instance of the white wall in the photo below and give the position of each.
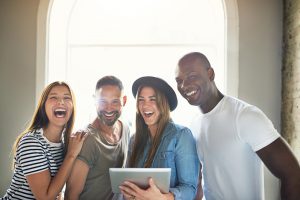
(260, 63)
(260, 55)
(260, 36)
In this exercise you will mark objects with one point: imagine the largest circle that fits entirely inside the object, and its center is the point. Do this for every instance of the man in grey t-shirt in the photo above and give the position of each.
(106, 145)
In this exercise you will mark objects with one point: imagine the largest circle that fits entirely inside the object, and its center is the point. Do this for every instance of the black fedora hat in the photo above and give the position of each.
(159, 84)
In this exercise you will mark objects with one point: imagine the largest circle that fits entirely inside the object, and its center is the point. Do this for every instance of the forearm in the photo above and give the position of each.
(281, 161)
(199, 194)
(290, 189)
(71, 195)
(72, 190)
(76, 181)
(58, 181)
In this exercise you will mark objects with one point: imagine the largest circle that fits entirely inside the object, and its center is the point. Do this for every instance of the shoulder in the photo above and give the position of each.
(251, 113)
(31, 145)
(252, 118)
(245, 113)
(33, 137)
(242, 108)
(235, 103)
(180, 138)
(91, 138)
(177, 129)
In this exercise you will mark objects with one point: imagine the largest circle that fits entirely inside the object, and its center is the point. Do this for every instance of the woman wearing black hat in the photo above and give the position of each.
(160, 143)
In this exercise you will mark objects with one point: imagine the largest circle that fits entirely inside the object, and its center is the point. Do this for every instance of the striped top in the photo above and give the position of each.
(34, 154)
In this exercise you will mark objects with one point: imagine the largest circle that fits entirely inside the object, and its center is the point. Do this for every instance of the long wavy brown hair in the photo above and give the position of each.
(40, 119)
(142, 133)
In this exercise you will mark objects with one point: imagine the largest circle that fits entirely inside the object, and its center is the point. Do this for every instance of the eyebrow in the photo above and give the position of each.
(54, 93)
(153, 96)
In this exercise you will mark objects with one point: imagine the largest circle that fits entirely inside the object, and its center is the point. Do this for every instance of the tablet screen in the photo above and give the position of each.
(140, 177)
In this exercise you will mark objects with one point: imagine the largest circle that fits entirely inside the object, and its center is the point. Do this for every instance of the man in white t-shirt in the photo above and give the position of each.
(234, 139)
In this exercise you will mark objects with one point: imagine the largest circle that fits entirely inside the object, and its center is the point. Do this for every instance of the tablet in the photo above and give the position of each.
(140, 177)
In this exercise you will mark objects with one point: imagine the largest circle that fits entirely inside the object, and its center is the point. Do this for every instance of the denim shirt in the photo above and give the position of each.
(177, 150)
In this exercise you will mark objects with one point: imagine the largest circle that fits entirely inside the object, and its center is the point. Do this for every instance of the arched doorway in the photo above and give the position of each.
(151, 39)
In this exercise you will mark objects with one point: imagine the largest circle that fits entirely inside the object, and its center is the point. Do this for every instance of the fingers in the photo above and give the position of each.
(81, 135)
(132, 191)
(151, 182)
(152, 185)
(126, 195)
(76, 142)
(132, 186)
(129, 190)
(84, 135)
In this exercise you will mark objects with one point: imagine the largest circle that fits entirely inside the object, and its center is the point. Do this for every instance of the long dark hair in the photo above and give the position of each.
(40, 119)
(142, 132)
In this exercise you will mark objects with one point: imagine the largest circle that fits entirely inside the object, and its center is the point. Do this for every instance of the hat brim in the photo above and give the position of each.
(159, 84)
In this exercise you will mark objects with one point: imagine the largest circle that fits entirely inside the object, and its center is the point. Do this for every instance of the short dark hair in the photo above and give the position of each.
(109, 80)
(193, 56)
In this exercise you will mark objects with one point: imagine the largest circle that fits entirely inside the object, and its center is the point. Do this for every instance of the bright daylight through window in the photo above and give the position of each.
(92, 38)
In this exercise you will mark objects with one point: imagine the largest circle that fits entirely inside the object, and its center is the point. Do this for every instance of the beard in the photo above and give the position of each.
(108, 121)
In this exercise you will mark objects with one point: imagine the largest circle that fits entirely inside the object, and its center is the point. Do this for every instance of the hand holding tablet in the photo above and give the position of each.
(140, 177)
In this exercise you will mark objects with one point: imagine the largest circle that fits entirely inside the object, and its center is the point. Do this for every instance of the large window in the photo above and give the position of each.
(92, 38)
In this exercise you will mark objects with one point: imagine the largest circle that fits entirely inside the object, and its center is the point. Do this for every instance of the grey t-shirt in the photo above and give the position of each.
(100, 155)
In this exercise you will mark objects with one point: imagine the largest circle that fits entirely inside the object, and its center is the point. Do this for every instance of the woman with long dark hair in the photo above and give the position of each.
(160, 143)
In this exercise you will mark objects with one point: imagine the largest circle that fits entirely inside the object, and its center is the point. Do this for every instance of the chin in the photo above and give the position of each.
(193, 102)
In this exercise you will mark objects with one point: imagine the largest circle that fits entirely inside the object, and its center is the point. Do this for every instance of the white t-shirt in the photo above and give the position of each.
(227, 139)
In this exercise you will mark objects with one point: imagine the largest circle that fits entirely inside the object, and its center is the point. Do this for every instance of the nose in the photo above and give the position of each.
(109, 106)
(61, 101)
(145, 104)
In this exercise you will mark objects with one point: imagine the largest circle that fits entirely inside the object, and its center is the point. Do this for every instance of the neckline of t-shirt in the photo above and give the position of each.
(103, 139)
(217, 107)
(53, 144)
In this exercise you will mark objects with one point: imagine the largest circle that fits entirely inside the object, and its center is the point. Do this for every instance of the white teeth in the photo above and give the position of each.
(148, 113)
(60, 110)
(109, 115)
(191, 93)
